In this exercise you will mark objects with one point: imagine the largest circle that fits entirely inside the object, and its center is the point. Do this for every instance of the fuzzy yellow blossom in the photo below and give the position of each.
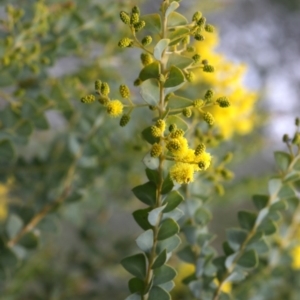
(114, 108)
(178, 146)
(227, 80)
(295, 254)
(182, 173)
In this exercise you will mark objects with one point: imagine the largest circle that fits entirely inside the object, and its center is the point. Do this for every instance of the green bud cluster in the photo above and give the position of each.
(139, 25)
(137, 82)
(124, 91)
(98, 85)
(156, 150)
(208, 68)
(135, 18)
(160, 123)
(199, 37)
(88, 99)
(173, 145)
(202, 165)
(125, 18)
(176, 133)
(125, 42)
(209, 94)
(197, 16)
(103, 100)
(285, 138)
(172, 127)
(209, 28)
(190, 49)
(190, 76)
(187, 112)
(201, 22)
(208, 118)
(297, 122)
(228, 157)
(196, 58)
(198, 103)
(146, 59)
(136, 10)
(105, 90)
(200, 149)
(226, 174)
(223, 102)
(185, 40)
(147, 40)
(124, 120)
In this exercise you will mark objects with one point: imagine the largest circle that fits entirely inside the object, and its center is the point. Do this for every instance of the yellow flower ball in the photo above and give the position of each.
(114, 108)
(182, 173)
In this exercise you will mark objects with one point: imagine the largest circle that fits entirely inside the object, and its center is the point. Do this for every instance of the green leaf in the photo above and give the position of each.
(145, 240)
(172, 200)
(247, 219)
(141, 217)
(167, 185)
(152, 175)
(236, 237)
(177, 35)
(153, 23)
(187, 255)
(40, 122)
(13, 225)
(8, 258)
(260, 246)
(191, 233)
(7, 151)
(179, 61)
(202, 216)
(292, 176)
(134, 296)
(159, 48)
(236, 276)
(147, 135)
(227, 249)
(146, 193)
(158, 293)
(150, 71)
(168, 228)
(176, 19)
(169, 244)
(175, 77)
(151, 162)
(267, 226)
(260, 201)
(135, 265)
(175, 214)
(160, 260)
(155, 215)
(282, 159)
(248, 260)
(29, 240)
(163, 274)
(136, 285)
(279, 205)
(167, 286)
(25, 128)
(173, 6)
(150, 91)
(274, 186)
(286, 192)
(179, 102)
(174, 89)
(178, 121)
(204, 239)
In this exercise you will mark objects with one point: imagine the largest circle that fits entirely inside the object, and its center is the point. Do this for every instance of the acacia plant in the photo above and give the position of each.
(176, 158)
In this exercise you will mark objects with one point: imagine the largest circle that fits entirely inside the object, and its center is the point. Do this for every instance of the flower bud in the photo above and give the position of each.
(197, 16)
(88, 99)
(125, 42)
(147, 40)
(125, 18)
(200, 149)
(124, 91)
(139, 25)
(187, 112)
(105, 90)
(208, 118)
(156, 150)
(124, 120)
(190, 76)
(209, 94)
(135, 17)
(199, 37)
(223, 102)
(146, 59)
(97, 85)
(196, 58)
(209, 28)
(208, 68)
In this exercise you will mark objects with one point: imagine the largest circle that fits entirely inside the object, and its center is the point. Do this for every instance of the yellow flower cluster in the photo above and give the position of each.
(227, 80)
(114, 108)
(187, 161)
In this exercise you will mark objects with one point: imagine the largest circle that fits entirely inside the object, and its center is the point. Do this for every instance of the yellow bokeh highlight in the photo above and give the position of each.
(295, 254)
(227, 80)
(3, 202)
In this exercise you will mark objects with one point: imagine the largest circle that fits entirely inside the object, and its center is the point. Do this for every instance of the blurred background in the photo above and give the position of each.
(51, 53)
